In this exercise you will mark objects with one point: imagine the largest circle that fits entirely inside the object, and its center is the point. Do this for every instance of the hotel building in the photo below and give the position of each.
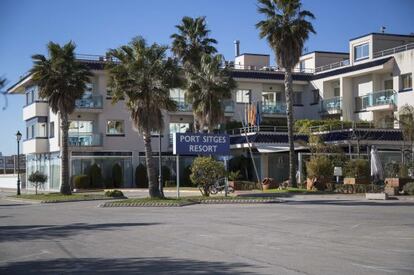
(370, 83)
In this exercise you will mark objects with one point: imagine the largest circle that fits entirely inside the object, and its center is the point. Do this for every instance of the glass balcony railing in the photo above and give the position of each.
(85, 139)
(274, 108)
(228, 106)
(331, 105)
(375, 99)
(93, 102)
(182, 106)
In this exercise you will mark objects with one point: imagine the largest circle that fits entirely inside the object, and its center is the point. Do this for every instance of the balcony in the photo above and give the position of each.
(228, 106)
(182, 106)
(35, 145)
(91, 103)
(377, 101)
(275, 108)
(85, 140)
(331, 106)
(36, 109)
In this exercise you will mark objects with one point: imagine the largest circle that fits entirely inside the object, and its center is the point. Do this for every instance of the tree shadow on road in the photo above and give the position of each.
(160, 265)
(30, 232)
(349, 203)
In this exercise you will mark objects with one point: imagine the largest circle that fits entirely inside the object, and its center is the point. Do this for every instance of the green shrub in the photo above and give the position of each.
(170, 183)
(95, 174)
(319, 167)
(205, 171)
(141, 179)
(117, 178)
(358, 188)
(114, 194)
(81, 182)
(357, 168)
(37, 179)
(409, 188)
(392, 169)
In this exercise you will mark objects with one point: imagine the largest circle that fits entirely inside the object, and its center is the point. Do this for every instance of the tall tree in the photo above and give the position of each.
(286, 29)
(189, 44)
(207, 88)
(143, 75)
(61, 80)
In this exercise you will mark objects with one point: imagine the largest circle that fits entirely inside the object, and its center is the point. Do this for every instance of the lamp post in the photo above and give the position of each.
(18, 138)
(160, 166)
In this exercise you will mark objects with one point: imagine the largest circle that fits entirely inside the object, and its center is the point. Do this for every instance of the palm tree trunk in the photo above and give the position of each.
(153, 187)
(65, 185)
(289, 103)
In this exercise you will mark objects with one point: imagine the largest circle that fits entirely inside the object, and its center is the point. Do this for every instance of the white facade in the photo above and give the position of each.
(370, 83)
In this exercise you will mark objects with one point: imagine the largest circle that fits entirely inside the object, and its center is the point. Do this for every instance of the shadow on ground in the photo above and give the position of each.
(161, 265)
(30, 232)
(349, 203)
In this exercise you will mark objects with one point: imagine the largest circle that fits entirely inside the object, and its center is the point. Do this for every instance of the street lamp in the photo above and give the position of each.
(18, 138)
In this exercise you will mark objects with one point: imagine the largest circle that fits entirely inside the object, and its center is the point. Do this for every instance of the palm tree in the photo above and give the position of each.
(2, 82)
(207, 88)
(189, 44)
(286, 29)
(144, 76)
(61, 81)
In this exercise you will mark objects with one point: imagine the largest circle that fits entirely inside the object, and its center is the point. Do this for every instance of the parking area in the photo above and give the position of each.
(304, 235)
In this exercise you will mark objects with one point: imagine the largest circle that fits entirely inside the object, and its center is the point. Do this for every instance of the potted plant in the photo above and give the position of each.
(357, 171)
(232, 177)
(320, 172)
(396, 175)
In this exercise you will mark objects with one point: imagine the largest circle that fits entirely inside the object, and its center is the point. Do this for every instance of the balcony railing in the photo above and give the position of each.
(394, 50)
(331, 105)
(93, 102)
(274, 108)
(85, 139)
(332, 66)
(182, 106)
(379, 98)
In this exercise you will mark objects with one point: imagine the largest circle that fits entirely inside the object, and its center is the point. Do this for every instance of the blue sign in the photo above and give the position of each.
(201, 144)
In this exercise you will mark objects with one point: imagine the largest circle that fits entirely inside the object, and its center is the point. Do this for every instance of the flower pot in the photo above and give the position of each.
(356, 181)
(396, 182)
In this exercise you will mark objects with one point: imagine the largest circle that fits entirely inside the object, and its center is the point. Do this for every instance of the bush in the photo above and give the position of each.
(409, 188)
(117, 178)
(358, 188)
(37, 179)
(95, 174)
(114, 194)
(81, 182)
(319, 167)
(392, 169)
(357, 168)
(170, 183)
(233, 175)
(141, 179)
(204, 172)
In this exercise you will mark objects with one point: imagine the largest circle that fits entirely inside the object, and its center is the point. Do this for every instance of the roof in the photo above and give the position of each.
(268, 75)
(352, 68)
(383, 34)
(258, 54)
(328, 52)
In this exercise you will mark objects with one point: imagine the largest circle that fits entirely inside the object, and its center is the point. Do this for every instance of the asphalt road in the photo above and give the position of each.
(306, 236)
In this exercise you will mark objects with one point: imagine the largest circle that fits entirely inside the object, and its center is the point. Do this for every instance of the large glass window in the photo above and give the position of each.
(52, 129)
(177, 94)
(37, 128)
(361, 51)
(178, 128)
(115, 127)
(243, 96)
(406, 81)
(32, 95)
(315, 96)
(81, 126)
(269, 98)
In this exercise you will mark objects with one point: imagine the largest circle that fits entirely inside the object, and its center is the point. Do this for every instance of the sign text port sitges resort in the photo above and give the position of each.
(201, 144)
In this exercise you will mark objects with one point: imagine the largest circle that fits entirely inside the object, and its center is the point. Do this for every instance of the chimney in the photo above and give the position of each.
(236, 47)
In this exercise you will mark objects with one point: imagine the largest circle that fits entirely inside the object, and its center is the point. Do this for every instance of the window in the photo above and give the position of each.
(37, 128)
(32, 95)
(406, 81)
(178, 128)
(302, 66)
(81, 126)
(115, 127)
(388, 84)
(337, 91)
(280, 97)
(297, 98)
(243, 96)
(361, 51)
(269, 98)
(315, 96)
(41, 129)
(52, 129)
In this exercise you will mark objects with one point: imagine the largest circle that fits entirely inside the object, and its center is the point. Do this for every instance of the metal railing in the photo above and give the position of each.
(394, 50)
(95, 58)
(330, 105)
(274, 108)
(85, 139)
(93, 102)
(267, 68)
(255, 129)
(374, 99)
(182, 106)
(331, 66)
(343, 125)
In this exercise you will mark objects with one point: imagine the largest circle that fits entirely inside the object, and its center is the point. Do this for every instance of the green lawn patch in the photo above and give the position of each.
(57, 197)
(184, 201)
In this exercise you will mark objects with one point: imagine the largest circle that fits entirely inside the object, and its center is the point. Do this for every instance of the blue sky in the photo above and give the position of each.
(97, 25)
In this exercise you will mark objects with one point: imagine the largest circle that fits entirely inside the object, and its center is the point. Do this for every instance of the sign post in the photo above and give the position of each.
(195, 144)
(337, 173)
